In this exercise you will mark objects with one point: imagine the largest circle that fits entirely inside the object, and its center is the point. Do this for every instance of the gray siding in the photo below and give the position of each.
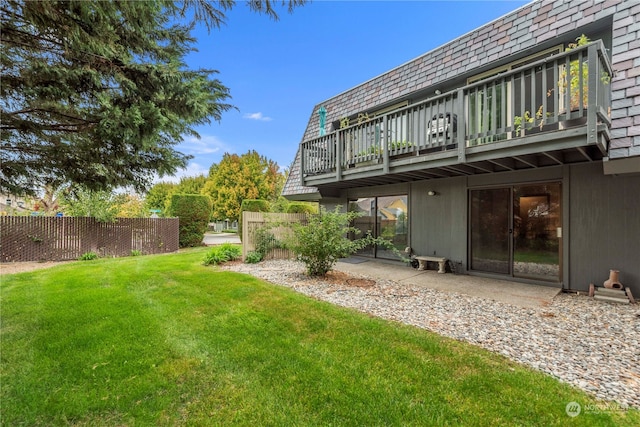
(438, 223)
(601, 213)
(605, 227)
(601, 219)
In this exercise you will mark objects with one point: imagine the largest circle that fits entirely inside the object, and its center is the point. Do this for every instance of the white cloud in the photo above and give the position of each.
(192, 169)
(207, 144)
(257, 116)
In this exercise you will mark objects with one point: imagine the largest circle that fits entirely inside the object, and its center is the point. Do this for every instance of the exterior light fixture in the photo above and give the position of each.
(438, 92)
(431, 193)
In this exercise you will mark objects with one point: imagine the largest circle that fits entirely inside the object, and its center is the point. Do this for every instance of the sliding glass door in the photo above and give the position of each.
(537, 231)
(517, 231)
(490, 230)
(385, 216)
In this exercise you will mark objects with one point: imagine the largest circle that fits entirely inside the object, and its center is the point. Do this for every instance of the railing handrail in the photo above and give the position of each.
(543, 61)
(451, 93)
(452, 103)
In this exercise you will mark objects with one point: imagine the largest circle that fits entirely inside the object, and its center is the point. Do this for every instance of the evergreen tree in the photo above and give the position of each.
(97, 93)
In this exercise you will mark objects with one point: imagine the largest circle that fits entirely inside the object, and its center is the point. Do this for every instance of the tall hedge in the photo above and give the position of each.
(251, 205)
(194, 211)
(301, 207)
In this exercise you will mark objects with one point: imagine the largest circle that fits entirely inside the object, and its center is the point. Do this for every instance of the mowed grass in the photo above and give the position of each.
(163, 340)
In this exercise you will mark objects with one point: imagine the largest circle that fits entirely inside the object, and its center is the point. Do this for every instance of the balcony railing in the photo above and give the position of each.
(567, 90)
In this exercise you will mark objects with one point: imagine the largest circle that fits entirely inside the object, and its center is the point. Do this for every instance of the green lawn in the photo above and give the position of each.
(163, 340)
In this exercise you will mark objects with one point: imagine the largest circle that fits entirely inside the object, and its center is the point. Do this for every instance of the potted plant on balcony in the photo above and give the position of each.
(399, 149)
(369, 156)
(526, 123)
(570, 78)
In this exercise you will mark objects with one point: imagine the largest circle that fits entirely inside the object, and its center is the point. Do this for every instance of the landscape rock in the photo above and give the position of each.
(592, 345)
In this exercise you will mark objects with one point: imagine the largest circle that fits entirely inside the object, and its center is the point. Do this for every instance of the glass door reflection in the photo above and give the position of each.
(537, 231)
(490, 230)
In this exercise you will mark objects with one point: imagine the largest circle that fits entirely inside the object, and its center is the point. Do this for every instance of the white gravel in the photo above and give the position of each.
(590, 344)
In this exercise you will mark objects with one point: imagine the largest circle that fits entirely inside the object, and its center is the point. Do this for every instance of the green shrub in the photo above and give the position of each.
(215, 257)
(194, 211)
(253, 257)
(88, 256)
(301, 207)
(251, 205)
(232, 251)
(223, 253)
(135, 252)
(323, 240)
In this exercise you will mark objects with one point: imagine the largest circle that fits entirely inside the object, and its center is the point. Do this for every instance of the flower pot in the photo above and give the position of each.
(613, 282)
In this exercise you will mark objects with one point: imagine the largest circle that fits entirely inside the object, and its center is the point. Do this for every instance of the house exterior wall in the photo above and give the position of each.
(600, 220)
(438, 223)
(604, 227)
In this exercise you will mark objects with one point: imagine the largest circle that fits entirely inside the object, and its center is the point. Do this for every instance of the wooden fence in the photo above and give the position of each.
(274, 223)
(29, 238)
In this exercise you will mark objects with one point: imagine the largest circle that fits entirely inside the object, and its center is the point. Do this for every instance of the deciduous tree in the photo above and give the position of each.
(130, 206)
(159, 195)
(235, 178)
(191, 184)
(82, 202)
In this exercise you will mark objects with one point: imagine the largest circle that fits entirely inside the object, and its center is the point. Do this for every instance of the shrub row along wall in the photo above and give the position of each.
(276, 223)
(24, 238)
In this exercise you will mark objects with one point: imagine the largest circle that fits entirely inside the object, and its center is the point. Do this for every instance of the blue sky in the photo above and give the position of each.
(278, 71)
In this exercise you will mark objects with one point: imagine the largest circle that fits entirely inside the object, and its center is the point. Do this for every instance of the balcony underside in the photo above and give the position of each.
(540, 150)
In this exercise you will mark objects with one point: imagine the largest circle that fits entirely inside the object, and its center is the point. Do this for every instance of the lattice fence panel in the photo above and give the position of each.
(277, 225)
(66, 238)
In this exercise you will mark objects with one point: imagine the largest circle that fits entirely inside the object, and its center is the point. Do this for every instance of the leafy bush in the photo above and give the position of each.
(215, 257)
(135, 252)
(223, 253)
(194, 211)
(251, 205)
(232, 251)
(88, 256)
(253, 257)
(323, 240)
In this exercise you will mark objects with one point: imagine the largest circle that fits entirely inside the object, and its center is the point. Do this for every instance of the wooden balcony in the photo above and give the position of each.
(550, 112)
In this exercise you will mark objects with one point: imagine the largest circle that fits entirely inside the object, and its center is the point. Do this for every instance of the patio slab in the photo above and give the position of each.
(506, 291)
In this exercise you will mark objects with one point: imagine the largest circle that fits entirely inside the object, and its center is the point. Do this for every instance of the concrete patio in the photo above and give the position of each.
(514, 293)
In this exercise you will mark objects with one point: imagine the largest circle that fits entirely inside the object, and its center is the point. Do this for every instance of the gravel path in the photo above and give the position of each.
(590, 344)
